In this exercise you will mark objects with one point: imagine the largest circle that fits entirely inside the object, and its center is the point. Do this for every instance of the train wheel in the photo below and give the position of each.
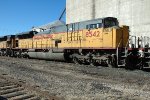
(75, 60)
(19, 56)
(129, 64)
(140, 64)
(94, 63)
(141, 67)
(113, 62)
(87, 62)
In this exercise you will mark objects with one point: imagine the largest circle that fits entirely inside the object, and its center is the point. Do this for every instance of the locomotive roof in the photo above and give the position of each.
(25, 33)
(8, 36)
(2, 37)
(56, 29)
(78, 26)
(45, 32)
(94, 19)
(50, 25)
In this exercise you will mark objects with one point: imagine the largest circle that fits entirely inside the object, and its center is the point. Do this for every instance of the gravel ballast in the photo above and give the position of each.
(79, 82)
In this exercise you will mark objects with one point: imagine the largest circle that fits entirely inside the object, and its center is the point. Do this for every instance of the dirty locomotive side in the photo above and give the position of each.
(100, 42)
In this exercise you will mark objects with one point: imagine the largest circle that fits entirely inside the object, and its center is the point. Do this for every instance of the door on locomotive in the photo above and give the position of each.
(10, 44)
(3, 42)
(10, 41)
(3, 45)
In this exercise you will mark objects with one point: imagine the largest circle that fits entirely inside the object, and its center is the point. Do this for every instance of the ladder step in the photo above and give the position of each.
(121, 65)
(147, 57)
(147, 62)
(146, 67)
(147, 52)
(124, 56)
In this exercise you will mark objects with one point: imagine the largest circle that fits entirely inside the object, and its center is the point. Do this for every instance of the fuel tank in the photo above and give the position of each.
(50, 55)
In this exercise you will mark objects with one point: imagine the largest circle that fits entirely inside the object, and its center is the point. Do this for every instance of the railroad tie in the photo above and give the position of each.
(13, 91)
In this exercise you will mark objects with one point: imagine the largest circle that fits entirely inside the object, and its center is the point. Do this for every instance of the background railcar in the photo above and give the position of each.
(3, 42)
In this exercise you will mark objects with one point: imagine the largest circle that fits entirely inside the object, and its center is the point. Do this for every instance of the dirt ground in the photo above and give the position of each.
(79, 82)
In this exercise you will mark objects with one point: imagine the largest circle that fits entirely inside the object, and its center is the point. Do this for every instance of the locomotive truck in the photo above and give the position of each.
(100, 42)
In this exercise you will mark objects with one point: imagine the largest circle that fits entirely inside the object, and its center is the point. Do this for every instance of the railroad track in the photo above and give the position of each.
(11, 89)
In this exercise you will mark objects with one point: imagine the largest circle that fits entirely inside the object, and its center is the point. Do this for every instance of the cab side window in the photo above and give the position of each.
(94, 26)
(99, 25)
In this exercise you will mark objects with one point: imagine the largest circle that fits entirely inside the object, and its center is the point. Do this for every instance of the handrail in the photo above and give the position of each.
(117, 50)
(119, 43)
(127, 43)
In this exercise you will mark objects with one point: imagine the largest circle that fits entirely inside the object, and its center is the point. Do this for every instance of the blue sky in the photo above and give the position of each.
(20, 15)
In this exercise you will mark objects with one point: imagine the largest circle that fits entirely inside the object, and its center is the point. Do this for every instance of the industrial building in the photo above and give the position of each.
(134, 13)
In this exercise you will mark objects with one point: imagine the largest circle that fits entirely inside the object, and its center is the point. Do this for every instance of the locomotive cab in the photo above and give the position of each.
(110, 22)
(103, 23)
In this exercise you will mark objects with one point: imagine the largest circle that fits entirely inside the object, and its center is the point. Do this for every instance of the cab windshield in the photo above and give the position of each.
(110, 22)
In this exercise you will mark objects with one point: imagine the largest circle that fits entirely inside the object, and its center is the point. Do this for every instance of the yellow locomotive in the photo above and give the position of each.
(98, 42)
